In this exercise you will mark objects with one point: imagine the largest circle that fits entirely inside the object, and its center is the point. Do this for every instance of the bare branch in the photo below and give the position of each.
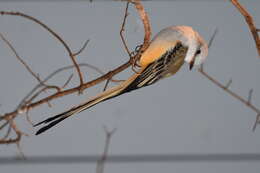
(8, 131)
(20, 59)
(250, 93)
(213, 37)
(33, 94)
(12, 126)
(123, 29)
(257, 121)
(28, 118)
(101, 162)
(147, 27)
(134, 60)
(21, 154)
(12, 140)
(27, 66)
(53, 33)
(68, 81)
(82, 49)
(250, 23)
(33, 97)
(51, 76)
(233, 94)
(228, 83)
(4, 125)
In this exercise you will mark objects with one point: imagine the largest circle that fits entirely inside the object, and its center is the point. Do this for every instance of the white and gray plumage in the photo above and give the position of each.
(167, 52)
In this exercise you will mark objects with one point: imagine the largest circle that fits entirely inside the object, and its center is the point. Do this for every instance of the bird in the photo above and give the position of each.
(165, 55)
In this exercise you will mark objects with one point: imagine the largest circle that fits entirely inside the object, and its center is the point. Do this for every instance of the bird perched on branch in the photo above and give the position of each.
(167, 52)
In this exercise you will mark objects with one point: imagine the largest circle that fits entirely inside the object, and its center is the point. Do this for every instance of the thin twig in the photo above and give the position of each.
(147, 37)
(23, 62)
(250, 93)
(68, 81)
(134, 60)
(18, 134)
(232, 93)
(123, 29)
(146, 22)
(250, 22)
(28, 118)
(82, 49)
(4, 125)
(21, 154)
(257, 121)
(213, 37)
(101, 162)
(11, 140)
(228, 83)
(8, 130)
(27, 66)
(33, 97)
(71, 55)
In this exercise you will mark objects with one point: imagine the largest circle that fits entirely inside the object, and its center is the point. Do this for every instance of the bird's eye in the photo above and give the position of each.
(198, 52)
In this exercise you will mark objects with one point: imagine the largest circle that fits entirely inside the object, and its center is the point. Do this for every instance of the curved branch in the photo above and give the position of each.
(250, 23)
(53, 33)
(147, 28)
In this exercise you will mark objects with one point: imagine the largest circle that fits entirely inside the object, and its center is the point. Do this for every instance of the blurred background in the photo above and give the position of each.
(182, 115)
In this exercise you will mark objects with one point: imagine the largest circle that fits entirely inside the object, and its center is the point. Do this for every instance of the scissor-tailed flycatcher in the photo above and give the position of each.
(167, 52)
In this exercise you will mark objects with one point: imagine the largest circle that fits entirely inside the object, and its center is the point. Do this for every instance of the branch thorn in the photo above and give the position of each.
(250, 93)
(257, 121)
(228, 83)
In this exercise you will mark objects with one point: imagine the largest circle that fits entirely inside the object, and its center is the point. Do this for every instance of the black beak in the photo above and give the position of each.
(191, 64)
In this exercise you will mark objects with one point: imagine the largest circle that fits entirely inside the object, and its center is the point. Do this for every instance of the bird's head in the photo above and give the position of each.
(197, 46)
(166, 40)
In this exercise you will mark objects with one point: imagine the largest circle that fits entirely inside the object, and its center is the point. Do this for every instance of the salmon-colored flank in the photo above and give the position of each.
(155, 51)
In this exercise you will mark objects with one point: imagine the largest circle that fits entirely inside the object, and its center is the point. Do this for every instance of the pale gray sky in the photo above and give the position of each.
(184, 114)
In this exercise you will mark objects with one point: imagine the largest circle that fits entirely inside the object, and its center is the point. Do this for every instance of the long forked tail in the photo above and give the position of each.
(149, 75)
(52, 121)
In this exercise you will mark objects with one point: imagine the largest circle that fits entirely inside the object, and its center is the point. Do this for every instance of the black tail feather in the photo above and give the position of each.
(43, 129)
(48, 120)
(52, 118)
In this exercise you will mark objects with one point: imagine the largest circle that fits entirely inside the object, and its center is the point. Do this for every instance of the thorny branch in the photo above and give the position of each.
(233, 94)
(250, 22)
(25, 106)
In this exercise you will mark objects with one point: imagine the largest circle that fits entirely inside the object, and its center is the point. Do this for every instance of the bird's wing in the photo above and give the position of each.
(167, 64)
(156, 49)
